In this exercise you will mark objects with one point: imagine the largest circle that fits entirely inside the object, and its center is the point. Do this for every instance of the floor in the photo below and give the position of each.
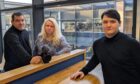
(98, 72)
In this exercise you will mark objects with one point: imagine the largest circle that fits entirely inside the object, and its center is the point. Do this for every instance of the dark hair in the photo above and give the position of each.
(16, 14)
(112, 13)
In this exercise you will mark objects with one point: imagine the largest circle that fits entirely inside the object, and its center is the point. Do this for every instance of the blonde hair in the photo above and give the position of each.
(57, 32)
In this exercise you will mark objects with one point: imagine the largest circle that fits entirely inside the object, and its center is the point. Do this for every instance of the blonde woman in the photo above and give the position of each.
(51, 40)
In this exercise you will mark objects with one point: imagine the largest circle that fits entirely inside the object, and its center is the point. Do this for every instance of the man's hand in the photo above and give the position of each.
(77, 75)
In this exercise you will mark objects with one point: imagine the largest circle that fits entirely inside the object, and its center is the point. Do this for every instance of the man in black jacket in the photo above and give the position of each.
(17, 49)
(118, 54)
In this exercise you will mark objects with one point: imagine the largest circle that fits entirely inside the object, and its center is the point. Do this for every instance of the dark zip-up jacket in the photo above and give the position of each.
(17, 51)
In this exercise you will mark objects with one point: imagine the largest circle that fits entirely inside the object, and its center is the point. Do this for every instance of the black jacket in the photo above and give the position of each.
(17, 49)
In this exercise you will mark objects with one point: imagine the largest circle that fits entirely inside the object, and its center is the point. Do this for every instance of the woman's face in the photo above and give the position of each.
(49, 28)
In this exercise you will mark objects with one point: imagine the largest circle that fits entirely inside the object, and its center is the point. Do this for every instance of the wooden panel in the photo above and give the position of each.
(30, 79)
(62, 74)
(32, 68)
(62, 77)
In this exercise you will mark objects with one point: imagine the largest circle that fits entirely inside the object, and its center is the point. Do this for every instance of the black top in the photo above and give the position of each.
(119, 57)
(17, 49)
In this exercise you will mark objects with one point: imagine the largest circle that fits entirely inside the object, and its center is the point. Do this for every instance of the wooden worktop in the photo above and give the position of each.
(63, 77)
(32, 68)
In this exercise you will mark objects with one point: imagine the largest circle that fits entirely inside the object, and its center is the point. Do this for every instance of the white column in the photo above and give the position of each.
(120, 9)
(138, 21)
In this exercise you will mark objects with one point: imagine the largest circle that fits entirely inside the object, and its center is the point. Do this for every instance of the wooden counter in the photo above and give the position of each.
(63, 77)
(29, 74)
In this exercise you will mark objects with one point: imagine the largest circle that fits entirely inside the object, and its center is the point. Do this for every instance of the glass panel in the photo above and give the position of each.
(84, 12)
(51, 13)
(81, 24)
(46, 1)
(128, 17)
(84, 26)
(67, 15)
(16, 3)
(20, 1)
(1, 4)
(68, 30)
(97, 25)
(68, 26)
(51, 1)
(46, 13)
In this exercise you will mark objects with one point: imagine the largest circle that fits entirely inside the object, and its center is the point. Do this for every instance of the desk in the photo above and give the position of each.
(30, 74)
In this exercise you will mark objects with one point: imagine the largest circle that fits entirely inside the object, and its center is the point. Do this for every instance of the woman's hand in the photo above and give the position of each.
(36, 60)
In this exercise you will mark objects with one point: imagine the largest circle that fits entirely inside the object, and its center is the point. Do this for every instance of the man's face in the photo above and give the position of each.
(110, 26)
(19, 22)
